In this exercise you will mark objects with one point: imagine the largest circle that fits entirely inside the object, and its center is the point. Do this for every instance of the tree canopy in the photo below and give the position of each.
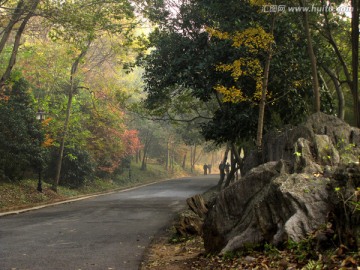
(209, 70)
(205, 52)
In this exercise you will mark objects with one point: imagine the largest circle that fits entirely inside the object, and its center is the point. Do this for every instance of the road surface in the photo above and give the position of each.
(105, 232)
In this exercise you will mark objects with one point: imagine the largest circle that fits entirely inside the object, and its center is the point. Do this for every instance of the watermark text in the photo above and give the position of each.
(313, 8)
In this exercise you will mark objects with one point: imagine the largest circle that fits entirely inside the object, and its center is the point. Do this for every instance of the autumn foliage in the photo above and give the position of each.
(252, 42)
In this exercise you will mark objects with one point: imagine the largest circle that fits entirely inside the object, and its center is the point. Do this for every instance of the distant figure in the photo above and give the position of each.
(209, 167)
(205, 169)
(222, 170)
(227, 168)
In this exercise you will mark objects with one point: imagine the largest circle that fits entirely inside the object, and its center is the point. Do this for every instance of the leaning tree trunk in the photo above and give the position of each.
(15, 18)
(167, 154)
(222, 170)
(312, 57)
(339, 91)
(143, 162)
(235, 160)
(193, 158)
(355, 50)
(148, 140)
(184, 161)
(231, 176)
(355, 58)
(137, 156)
(19, 32)
(172, 159)
(68, 112)
(260, 128)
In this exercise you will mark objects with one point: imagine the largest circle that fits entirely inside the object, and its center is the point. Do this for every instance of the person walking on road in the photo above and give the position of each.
(205, 169)
(222, 170)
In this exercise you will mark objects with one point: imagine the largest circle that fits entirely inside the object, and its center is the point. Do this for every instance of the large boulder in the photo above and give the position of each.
(281, 145)
(190, 221)
(267, 205)
(345, 201)
(288, 189)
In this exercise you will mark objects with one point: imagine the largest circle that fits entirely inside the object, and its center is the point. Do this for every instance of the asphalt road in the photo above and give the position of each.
(106, 232)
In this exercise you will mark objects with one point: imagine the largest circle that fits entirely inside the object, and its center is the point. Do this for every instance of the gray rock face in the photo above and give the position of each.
(345, 198)
(287, 196)
(281, 145)
(268, 205)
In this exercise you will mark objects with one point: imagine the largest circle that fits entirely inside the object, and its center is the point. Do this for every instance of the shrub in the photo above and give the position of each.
(77, 167)
(19, 132)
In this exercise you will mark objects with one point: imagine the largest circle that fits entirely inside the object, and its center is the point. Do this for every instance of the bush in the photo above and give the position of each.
(77, 167)
(20, 149)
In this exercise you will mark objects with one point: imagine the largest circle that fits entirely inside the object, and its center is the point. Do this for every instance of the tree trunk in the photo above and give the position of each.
(212, 159)
(148, 140)
(355, 50)
(337, 52)
(68, 112)
(339, 92)
(355, 58)
(137, 156)
(237, 157)
(12, 60)
(193, 158)
(167, 154)
(143, 163)
(260, 128)
(231, 176)
(222, 169)
(172, 159)
(312, 57)
(184, 161)
(18, 12)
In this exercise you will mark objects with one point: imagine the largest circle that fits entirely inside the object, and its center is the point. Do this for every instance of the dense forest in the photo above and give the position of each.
(120, 81)
(71, 95)
(259, 66)
(91, 89)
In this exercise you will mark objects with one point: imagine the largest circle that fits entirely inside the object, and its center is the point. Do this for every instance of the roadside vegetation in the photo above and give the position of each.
(23, 194)
(173, 253)
(102, 95)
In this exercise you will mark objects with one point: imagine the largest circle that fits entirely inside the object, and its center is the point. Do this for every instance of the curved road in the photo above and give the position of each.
(105, 232)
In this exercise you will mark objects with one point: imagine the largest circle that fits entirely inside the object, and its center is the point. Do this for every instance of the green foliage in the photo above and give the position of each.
(348, 152)
(230, 255)
(76, 21)
(186, 58)
(99, 122)
(237, 116)
(313, 265)
(350, 202)
(20, 134)
(77, 167)
(302, 250)
(176, 238)
(271, 250)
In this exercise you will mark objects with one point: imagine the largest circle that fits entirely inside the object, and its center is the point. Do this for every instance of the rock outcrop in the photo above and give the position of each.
(288, 190)
(190, 221)
(281, 145)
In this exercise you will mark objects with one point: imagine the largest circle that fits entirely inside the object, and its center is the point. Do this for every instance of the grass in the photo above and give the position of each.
(23, 194)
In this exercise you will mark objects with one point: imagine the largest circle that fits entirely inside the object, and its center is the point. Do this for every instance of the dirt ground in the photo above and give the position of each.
(165, 254)
(169, 252)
